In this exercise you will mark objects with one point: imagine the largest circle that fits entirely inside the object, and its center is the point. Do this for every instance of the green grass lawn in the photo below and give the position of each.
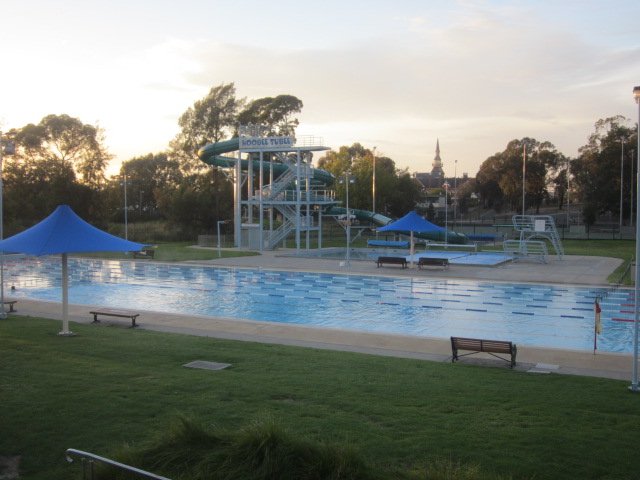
(111, 386)
(174, 252)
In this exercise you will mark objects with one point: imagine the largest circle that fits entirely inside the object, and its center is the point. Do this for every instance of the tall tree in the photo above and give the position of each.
(148, 175)
(58, 161)
(61, 139)
(396, 192)
(499, 179)
(32, 191)
(209, 120)
(198, 202)
(274, 112)
(597, 168)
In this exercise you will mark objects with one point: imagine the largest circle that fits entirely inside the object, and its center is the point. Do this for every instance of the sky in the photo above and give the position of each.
(397, 76)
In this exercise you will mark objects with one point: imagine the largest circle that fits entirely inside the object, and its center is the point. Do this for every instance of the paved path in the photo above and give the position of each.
(571, 270)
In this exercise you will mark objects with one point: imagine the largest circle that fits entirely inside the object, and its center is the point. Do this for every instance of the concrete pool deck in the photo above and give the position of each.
(571, 270)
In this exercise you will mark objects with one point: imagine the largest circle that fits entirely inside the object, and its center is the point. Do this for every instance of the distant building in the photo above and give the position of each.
(435, 178)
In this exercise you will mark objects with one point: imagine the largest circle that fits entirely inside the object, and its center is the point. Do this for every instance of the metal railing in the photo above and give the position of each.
(615, 285)
(87, 466)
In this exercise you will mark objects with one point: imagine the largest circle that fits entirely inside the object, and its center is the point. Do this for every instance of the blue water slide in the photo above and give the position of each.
(212, 155)
(382, 221)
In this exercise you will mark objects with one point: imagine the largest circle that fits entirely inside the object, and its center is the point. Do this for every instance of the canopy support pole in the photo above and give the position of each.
(65, 298)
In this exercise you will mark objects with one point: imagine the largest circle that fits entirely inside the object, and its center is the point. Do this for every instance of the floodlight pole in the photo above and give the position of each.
(347, 260)
(621, 180)
(568, 194)
(446, 214)
(3, 314)
(126, 208)
(631, 191)
(373, 187)
(455, 193)
(634, 382)
(524, 172)
(65, 297)
(220, 222)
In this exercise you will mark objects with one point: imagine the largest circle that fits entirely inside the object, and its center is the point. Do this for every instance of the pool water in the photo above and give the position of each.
(531, 314)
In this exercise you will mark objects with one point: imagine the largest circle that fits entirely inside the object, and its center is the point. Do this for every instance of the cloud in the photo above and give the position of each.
(475, 74)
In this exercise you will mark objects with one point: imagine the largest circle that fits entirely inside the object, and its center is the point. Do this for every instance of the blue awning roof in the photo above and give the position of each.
(65, 232)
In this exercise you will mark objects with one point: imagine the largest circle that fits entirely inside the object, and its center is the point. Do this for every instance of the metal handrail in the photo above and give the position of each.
(616, 285)
(93, 457)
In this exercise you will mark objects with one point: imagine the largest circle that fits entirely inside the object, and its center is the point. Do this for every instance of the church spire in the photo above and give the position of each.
(437, 174)
(437, 161)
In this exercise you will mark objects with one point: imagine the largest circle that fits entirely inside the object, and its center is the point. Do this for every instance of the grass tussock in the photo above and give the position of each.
(261, 451)
(266, 451)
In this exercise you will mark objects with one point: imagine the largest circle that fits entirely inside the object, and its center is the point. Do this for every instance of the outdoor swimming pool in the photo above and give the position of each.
(531, 314)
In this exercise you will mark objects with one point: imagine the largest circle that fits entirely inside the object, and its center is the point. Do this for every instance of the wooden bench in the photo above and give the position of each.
(392, 260)
(431, 261)
(476, 345)
(11, 303)
(144, 254)
(112, 312)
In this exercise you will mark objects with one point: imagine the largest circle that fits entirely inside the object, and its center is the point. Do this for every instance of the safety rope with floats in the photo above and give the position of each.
(597, 329)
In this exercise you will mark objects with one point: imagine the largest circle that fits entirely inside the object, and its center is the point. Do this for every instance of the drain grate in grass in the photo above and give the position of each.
(207, 365)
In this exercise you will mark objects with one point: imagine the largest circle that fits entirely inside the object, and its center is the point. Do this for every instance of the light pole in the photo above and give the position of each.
(634, 382)
(568, 196)
(373, 187)
(220, 222)
(125, 180)
(631, 191)
(3, 314)
(524, 171)
(446, 209)
(621, 178)
(455, 193)
(348, 180)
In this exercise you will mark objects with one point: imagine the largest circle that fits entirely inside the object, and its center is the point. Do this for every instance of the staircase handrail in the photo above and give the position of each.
(122, 466)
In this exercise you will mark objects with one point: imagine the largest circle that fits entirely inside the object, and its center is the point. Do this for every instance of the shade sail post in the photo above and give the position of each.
(65, 298)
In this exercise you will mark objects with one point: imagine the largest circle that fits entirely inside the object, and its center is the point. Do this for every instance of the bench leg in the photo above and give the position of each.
(133, 321)
(95, 318)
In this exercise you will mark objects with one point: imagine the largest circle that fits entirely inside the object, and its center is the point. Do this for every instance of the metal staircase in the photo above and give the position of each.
(288, 225)
(279, 186)
(538, 226)
(278, 183)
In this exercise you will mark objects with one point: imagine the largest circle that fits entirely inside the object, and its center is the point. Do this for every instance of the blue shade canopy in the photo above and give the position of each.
(411, 222)
(65, 232)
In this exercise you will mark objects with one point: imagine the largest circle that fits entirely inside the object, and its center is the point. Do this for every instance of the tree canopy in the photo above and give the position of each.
(62, 160)
(499, 180)
(274, 112)
(216, 117)
(597, 170)
(396, 191)
(63, 140)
